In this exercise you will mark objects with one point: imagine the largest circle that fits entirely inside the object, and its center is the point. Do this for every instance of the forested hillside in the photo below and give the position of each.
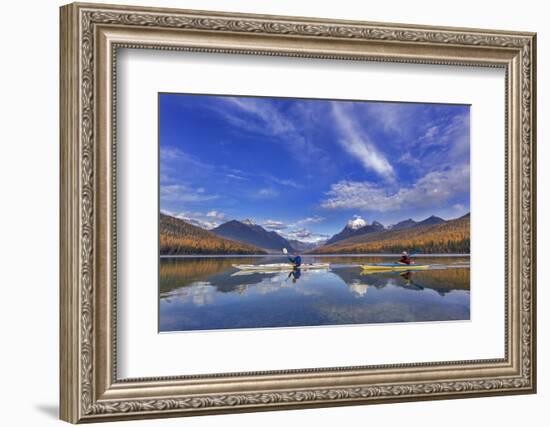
(448, 237)
(178, 237)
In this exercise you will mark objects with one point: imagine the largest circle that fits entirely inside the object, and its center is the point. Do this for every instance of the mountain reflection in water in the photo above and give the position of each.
(209, 293)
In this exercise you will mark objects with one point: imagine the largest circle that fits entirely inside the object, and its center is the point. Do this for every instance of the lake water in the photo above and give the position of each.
(204, 293)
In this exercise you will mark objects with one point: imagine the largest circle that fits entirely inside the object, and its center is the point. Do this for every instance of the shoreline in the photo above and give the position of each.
(318, 255)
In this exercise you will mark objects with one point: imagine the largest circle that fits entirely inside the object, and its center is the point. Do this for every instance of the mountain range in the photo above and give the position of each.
(431, 235)
(408, 223)
(178, 237)
(248, 232)
(356, 228)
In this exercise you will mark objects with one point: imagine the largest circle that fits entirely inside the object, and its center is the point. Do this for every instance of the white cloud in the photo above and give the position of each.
(283, 182)
(431, 132)
(309, 220)
(449, 133)
(294, 232)
(408, 159)
(272, 121)
(430, 138)
(216, 214)
(357, 144)
(182, 193)
(175, 163)
(391, 116)
(431, 190)
(457, 210)
(301, 233)
(265, 193)
(274, 225)
(305, 235)
(171, 153)
(206, 220)
(175, 156)
(261, 116)
(443, 143)
(255, 115)
(237, 177)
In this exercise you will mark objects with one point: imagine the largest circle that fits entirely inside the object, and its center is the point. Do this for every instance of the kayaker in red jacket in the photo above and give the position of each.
(405, 258)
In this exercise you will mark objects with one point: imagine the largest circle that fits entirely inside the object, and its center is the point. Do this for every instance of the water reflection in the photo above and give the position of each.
(296, 273)
(209, 293)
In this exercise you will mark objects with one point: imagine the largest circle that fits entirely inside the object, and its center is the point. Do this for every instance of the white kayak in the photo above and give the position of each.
(280, 267)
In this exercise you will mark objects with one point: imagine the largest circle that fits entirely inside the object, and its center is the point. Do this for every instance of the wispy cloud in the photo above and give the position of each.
(431, 133)
(308, 220)
(283, 182)
(172, 155)
(271, 224)
(206, 220)
(296, 230)
(183, 193)
(216, 215)
(271, 120)
(253, 115)
(447, 133)
(265, 117)
(357, 143)
(425, 136)
(174, 160)
(237, 177)
(305, 235)
(430, 191)
(392, 117)
(265, 193)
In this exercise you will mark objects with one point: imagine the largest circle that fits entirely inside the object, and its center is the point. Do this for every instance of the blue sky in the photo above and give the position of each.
(304, 167)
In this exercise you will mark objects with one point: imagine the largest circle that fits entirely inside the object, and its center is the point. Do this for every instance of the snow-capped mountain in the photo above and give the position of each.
(356, 223)
(356, 227)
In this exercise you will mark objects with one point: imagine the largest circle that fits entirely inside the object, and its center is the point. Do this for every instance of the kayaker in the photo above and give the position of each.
(405, 258)
(296, 261)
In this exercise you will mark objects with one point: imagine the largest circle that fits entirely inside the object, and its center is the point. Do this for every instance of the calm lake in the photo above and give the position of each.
(202, 293)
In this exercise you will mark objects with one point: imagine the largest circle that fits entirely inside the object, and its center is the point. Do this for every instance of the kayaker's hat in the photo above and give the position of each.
(405, 253)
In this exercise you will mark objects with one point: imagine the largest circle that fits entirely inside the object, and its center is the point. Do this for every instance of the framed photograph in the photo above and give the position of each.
(265, 212)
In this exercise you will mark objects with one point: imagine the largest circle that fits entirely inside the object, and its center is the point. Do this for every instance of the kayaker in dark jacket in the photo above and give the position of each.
(405, 258)
(296, 261)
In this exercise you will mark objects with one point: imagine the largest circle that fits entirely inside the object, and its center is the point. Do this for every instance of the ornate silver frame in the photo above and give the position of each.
(90, 36)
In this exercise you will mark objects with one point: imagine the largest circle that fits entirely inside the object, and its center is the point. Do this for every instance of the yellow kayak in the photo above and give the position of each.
(394, 266)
